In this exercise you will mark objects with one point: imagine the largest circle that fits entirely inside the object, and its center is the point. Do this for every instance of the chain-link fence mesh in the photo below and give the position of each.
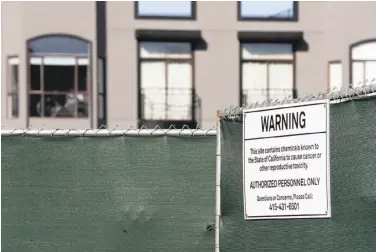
(352, 226)
(71, 190)
(123, 193)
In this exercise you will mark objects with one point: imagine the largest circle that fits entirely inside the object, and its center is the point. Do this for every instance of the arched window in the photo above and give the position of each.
(363, 62)
(59, 76)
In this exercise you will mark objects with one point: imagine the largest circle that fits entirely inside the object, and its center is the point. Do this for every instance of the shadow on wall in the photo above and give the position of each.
(201, 45)
(302, 46)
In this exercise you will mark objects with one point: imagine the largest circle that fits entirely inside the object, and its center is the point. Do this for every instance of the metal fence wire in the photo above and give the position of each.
(233, 112)
(103, 131)
(334, 95)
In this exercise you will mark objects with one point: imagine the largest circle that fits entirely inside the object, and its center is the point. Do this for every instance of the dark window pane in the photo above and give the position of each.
(58, 78)
(100, 76)
(59, 106)
(165, 8)
(100, 107)
(58, 44)
(13, 78)
(267, 9)
(35, 81)
(35, 105)
(82, 77)
(13, 105)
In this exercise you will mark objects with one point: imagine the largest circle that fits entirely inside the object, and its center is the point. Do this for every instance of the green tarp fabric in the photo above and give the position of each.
(352, 226)
(108, 194)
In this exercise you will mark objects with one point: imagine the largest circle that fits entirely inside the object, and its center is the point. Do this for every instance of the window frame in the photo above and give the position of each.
(42, 92)
(12, 92)
(101, 80)
(192, 17)
(330, 62)
(351, 60)
(294, 17)
(166, 61)
(267, 61)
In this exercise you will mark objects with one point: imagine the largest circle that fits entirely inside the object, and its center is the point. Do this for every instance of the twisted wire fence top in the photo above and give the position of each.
(235, 112)
(103, 131)
(334, 95)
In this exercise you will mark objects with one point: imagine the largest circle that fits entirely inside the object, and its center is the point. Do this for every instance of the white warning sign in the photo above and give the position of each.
(286, 164)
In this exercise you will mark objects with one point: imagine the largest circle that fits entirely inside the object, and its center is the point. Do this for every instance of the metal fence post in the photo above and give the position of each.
(218, 184)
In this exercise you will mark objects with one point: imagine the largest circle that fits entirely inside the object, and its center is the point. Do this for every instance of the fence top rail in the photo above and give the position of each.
(334, 95)
(143, 131)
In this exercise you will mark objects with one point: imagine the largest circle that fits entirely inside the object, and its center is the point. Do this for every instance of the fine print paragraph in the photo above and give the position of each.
(285, 157)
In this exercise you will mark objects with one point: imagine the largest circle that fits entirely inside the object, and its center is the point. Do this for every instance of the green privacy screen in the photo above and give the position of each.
(352, 226)
(108, 194)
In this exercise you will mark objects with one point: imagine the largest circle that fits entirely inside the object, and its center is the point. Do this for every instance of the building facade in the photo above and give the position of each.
(121, 64)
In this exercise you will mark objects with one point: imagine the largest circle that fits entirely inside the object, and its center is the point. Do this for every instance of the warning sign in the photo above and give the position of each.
(286, 165)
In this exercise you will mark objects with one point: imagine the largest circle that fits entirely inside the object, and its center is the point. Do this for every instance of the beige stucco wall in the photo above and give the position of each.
(24, 20)
(329, 29)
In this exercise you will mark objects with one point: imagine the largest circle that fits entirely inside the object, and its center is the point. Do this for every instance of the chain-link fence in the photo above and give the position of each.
(352, 225)
(108, 190)
(153, 189)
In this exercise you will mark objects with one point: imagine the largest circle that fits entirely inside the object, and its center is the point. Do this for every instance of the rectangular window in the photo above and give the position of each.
(268, 10)
(166, 81)
(59, 86)
(335, 75)
(12, 88)
(267, 72)
(166, 9)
